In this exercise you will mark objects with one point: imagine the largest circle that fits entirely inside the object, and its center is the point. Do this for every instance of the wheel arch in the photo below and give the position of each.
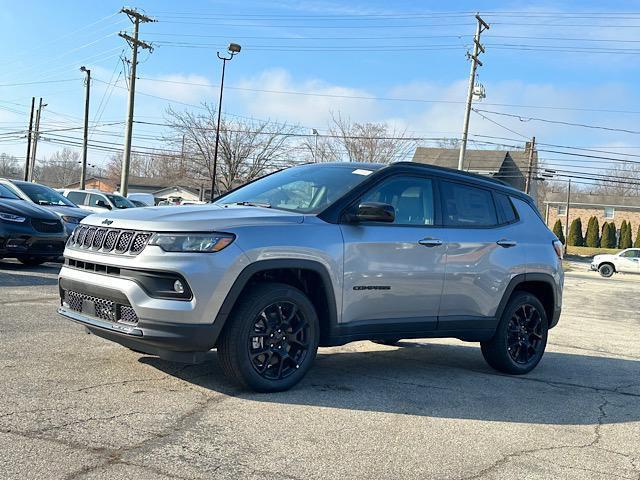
(310, 276)
(608, 262)
(542, 285)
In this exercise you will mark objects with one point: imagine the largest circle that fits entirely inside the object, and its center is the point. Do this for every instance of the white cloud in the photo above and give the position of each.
(308, 110)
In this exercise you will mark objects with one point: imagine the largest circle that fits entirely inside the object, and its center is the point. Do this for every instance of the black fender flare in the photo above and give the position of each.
(528, 277)
(281, 263)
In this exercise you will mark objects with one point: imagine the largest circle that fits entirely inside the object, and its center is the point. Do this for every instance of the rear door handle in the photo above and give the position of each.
(506, 243)
(430, 242)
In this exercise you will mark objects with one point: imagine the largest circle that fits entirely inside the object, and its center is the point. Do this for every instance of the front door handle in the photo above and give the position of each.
(506, 243)
(430, 242)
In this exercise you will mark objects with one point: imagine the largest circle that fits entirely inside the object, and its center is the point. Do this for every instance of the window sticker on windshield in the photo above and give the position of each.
(360, 171)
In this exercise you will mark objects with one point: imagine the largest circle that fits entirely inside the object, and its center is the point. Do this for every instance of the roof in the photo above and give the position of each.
(485, 159)
(596, 200)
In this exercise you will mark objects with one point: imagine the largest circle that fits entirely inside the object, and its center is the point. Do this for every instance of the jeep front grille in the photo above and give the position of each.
(101, 308)
(106, 240)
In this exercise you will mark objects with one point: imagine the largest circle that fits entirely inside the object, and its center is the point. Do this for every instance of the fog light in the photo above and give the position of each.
(178, 286)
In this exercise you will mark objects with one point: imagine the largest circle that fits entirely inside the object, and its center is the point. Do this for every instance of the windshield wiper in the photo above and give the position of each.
(252, 204)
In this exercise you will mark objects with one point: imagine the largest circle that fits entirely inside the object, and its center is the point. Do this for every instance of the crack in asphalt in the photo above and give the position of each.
(179, 426)
(597, 436)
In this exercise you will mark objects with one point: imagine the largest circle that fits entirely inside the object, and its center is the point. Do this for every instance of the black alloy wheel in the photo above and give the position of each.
(521, 336)
(279, 340)
(524, 334)
(270, 339)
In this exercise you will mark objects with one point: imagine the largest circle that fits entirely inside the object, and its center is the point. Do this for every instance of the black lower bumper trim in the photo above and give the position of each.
(176, 342)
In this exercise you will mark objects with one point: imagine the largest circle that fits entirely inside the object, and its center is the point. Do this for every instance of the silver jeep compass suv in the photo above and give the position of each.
(320, 255)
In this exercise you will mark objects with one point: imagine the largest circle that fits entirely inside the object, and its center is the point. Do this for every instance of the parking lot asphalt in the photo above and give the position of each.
(74, 406)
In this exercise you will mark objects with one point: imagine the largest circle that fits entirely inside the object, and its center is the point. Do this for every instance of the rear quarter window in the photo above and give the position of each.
(506, 210)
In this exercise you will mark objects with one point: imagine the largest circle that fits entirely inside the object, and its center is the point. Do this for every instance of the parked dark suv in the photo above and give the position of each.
(28, 232)
(320, 255)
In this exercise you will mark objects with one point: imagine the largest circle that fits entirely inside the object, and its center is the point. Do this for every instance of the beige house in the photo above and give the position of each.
(605, 208)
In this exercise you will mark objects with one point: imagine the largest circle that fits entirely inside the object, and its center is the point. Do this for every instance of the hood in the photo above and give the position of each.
(68, 211)
(192, 218)
(603, 256)
(26, 209)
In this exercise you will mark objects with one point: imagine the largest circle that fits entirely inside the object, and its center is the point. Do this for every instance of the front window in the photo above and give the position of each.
(305, 189)
(43, 195)
(562, 209)
(120, 202)
(609, 212)
(630, 254)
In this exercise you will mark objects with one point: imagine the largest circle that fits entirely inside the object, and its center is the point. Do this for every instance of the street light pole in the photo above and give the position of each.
(315, 150)
(233, 50)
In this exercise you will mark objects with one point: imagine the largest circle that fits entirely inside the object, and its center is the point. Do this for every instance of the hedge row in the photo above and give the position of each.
(596, 237)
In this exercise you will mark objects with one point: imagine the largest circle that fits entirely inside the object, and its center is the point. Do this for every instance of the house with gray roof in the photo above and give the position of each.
(509, 166)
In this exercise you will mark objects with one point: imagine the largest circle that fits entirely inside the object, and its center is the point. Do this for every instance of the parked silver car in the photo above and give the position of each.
(321, 255)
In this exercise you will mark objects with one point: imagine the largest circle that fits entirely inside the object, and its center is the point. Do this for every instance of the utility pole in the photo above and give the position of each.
(137, 18)
(566, 218)
(27, 159)
(83, 171)
(477, 49)
(532, 146)
(32, 161)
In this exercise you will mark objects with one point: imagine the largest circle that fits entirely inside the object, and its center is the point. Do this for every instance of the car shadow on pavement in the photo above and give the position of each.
(15, 274)
(449, 381)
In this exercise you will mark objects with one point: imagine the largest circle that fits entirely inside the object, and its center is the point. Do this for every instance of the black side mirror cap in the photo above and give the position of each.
(375, 212)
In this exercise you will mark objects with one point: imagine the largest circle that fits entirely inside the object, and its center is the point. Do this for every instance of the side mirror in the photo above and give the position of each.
(375, 212)
(103, 204)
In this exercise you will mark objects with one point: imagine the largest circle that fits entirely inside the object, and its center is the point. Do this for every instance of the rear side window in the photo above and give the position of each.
(506, 211)
(466, 206)
(77, 197)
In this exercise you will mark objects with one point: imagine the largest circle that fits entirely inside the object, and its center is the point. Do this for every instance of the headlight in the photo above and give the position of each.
(70, 219)
(10, 217)
(191, 242)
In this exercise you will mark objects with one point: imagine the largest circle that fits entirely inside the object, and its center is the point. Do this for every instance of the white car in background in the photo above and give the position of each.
(97, 201)
(626, 261)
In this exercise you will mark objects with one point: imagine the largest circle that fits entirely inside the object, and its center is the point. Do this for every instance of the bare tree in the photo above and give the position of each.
(624, 180)
(371, 142)
(247, 149)
(62, 168)
(9, 166)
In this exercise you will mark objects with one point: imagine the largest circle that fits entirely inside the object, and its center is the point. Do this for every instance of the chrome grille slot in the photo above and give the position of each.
(99, 238)
(110, 240)
(124, 240)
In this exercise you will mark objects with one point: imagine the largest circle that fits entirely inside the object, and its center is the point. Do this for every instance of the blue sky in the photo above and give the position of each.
(538, 54)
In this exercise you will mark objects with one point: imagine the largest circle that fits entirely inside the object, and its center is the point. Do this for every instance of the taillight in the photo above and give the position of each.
(559, 248)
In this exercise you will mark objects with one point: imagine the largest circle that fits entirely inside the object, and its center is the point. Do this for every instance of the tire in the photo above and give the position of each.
(392, 342)
(32, 261)
(269, 312)
(521, 336)
(606, 270)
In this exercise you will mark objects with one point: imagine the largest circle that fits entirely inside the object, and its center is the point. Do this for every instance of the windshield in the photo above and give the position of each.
(6, 193)
(305, 189)
(120, 202)
(43, 195)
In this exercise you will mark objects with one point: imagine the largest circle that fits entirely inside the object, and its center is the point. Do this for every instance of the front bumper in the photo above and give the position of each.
(174, 329)
(594, 267)
(19, 243)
